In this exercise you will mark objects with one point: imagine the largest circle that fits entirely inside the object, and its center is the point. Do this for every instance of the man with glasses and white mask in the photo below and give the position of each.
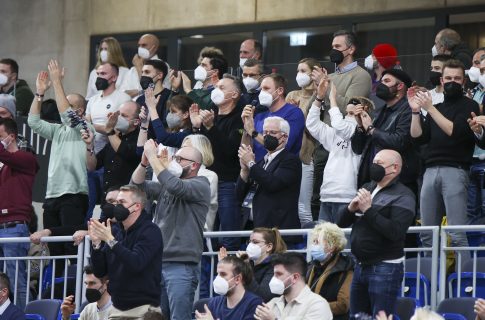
(271, 186)
(252, 72)
(182, 206)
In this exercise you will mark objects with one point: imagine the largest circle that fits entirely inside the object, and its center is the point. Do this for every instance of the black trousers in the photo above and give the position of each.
(66, 210)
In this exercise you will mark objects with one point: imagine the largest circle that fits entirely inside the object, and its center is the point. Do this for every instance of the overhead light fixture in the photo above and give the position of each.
(197, 36)
(298, 39)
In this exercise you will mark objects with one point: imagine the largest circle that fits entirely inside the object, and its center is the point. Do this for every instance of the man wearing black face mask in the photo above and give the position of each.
(271, 186)
(132, 261)
(389, 129)
(153, 74)
(96, 294)
(78, 232)
(437, 63)
(380, 215)
(450, 149)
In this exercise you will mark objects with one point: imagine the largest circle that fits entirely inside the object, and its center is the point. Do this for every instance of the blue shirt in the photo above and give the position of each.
(244, 310)
(295, 118)
(347, 68)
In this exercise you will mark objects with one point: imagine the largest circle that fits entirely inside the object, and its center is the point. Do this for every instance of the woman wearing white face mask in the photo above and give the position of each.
(302, 98)
(330, 272)
(109, 50)
(263, 242)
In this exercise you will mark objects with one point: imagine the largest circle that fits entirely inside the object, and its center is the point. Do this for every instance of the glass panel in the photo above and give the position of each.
(471, 28)
(130, 48)
(283, 57)
(229, 43)
(413, 39)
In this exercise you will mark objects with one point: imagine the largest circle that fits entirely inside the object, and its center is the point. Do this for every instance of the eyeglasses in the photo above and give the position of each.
(180, 158)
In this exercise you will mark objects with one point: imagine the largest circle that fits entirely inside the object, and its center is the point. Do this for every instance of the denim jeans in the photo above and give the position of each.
(476, 194)
(329, 211)
(95, 185)
(16, 250)
(375, 288)
(179, 282)
(229, 213)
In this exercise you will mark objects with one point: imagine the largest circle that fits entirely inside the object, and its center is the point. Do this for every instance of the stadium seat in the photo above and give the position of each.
(47, 308)
(410, 288)
(405, 308)
(461, 306)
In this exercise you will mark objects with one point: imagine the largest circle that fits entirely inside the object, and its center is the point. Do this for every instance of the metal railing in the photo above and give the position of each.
(459, 257)
(437, 253)
(42, 284)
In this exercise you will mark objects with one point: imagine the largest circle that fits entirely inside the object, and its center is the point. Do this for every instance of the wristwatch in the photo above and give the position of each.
(254, 134)
(111, 243)
(251, 163)
(369, 128)
(112, 132)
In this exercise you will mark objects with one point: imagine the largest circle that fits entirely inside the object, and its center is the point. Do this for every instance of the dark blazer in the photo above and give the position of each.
(12, 313)
(275, 202)
(391, 131)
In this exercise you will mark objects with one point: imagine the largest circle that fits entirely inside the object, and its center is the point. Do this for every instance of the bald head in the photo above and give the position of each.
(77, 101)
(448, 39)
(190, 153)
(388, 158)
(250, 49)
(150, 42)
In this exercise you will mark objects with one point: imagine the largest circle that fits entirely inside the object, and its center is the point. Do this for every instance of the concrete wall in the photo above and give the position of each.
(32, 32)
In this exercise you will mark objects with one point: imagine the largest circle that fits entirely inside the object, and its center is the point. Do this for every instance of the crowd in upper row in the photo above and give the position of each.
(267, 154)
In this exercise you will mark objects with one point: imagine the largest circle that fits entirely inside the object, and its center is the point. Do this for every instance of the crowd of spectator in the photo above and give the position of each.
(168, 159)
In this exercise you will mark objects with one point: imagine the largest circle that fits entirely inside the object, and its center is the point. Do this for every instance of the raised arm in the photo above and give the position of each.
(57, 74)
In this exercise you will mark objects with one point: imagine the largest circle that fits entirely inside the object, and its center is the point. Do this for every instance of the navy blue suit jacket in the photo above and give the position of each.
(12, 313)
(275, 202)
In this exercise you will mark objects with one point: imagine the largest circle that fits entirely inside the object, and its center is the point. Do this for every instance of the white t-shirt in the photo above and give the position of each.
(98, 109)
(126, 81)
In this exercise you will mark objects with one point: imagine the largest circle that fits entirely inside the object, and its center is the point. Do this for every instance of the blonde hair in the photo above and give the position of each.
(115, 54)
(331, 233)
(202, 143)
(425, 314)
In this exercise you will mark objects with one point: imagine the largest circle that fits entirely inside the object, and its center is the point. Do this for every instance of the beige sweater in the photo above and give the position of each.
(354, 83)
(302, 98)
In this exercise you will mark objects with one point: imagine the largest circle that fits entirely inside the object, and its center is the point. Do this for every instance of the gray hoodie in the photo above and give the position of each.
(182, 206)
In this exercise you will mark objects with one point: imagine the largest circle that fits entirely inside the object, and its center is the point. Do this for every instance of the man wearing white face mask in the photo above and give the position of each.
(224, 133)
(182, 206)
(383, 57)
(340, 175)
(148, 45)
(297, 301)
(233, 302)
(211, 69)
(448, 41)
(11, 84)
(272, 95)
(476, 190)
(119, 156)
(252, 72)
(250, 49)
